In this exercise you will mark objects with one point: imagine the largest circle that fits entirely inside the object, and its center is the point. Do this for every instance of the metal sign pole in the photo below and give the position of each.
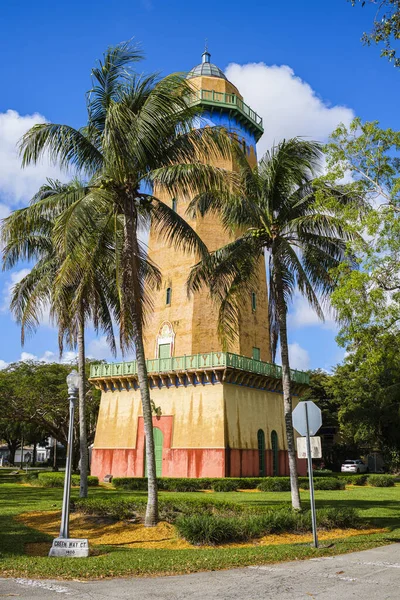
(311, 480)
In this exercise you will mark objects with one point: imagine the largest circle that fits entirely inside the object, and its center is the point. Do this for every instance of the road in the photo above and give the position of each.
(372, 574)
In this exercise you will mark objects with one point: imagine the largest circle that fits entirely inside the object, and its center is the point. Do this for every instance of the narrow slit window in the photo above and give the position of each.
(168, 296)
(174, 203)
(253, 301)
(256, 354)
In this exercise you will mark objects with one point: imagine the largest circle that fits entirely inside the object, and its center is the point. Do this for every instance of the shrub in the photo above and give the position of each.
(180, 485)
(355, 479)
(381, 480)
(92, 480)
(322, 473)
(170, 510)
(275, 484)
(214, 529)
(322, 483)
(56, 480)
(225, 485)
(130, 483)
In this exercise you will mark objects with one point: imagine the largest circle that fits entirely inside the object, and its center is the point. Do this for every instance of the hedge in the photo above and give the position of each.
(322, 483)
(214, 529)
(56, 480)
(381, 480)
(185, 484)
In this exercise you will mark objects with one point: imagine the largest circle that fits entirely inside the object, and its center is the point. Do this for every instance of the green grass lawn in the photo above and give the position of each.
(380, 507)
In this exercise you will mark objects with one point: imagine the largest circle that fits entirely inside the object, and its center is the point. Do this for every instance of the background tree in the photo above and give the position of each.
(386, 27)
(140, 135)
(86, 293)
(34, 394)
(366, 389)
(370, 295)
(279, 214)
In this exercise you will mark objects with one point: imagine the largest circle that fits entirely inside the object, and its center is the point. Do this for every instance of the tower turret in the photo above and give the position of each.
(180, 326)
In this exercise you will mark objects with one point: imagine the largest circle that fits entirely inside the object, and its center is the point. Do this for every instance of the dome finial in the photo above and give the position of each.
(205, 57)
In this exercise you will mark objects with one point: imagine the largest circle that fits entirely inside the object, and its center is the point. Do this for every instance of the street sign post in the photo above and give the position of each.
(307, 419)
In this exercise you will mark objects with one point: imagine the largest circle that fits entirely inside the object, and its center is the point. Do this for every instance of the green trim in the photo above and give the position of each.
(197, 361)
(233, 103)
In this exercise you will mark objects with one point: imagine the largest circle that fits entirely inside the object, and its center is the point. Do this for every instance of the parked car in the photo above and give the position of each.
(354, 466)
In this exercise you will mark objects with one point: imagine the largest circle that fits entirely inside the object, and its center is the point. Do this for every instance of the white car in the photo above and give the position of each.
(354, 466)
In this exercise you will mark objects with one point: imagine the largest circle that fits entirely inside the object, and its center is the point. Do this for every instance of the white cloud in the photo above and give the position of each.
(49, 357)
(4, 211)
(17, 184)
(298, 357)
(3, 364)
(303, 315)
(289, 106)
(99, 348)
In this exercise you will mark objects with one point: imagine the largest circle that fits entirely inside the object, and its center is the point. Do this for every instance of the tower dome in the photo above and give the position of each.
(206, 68)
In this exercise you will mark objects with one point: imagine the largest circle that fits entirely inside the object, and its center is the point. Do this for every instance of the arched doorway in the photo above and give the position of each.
(261, 453)
(275, 453)
(158, 450)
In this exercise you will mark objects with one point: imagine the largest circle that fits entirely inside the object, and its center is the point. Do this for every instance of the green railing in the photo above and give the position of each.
(228, 100)
(197, 361)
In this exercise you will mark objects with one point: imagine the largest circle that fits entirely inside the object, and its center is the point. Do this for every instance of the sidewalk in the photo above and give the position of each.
(372, 574)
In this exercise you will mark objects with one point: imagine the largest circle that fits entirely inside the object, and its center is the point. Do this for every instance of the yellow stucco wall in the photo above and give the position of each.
(248, 410)
(197, 410)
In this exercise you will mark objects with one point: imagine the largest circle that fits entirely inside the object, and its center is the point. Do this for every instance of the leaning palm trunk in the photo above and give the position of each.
(286, 386)
(83, 490)
(131, 283)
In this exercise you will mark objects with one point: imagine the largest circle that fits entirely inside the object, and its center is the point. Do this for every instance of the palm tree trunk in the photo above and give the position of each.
(287, 396)
(83, 489)
(132, 298)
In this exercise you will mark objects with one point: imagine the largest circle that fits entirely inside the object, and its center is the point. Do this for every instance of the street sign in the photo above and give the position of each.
(300, 421)
(307, 419)
(315, 443)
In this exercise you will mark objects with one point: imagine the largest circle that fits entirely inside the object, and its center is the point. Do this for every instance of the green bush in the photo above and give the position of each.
(170, 510)
(180, 485)
(186, 484)
(323, 473)
(56, 480)
(275, 484)
(225, 485)
(130, 483)
(215, 529)
(355, 479)
(381, 480)
(322, 483)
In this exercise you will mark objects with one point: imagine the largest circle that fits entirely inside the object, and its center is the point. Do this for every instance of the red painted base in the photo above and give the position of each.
(189, 462)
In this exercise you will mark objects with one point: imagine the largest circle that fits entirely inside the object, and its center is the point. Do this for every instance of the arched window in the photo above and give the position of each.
(168, 296)
(275, 453)
(174, 203)
(253, 301)
(261, 453)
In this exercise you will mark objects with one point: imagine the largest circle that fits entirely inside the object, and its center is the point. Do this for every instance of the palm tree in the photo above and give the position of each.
(139, 138)
(279, 215)
(28, 234)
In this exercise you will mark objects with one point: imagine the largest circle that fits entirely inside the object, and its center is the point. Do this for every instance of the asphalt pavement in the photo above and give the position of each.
(372, 574)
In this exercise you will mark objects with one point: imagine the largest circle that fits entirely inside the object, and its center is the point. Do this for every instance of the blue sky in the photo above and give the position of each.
(315, 73)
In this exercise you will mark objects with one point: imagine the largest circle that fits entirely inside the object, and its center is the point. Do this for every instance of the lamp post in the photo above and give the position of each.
(64, 545)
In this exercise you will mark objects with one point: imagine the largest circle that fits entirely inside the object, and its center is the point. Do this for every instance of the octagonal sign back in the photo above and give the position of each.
(314, 417)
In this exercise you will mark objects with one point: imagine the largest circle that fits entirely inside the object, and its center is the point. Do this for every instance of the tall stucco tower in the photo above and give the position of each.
(220, 413)
(179, 325)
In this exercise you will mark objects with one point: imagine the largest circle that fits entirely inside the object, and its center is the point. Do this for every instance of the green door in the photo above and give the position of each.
(158, 448)
(261, 453)
(164, 351)
(275, 455)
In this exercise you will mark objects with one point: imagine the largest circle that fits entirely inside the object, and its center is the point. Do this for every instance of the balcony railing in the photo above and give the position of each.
(228, 100)
(192, 362)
